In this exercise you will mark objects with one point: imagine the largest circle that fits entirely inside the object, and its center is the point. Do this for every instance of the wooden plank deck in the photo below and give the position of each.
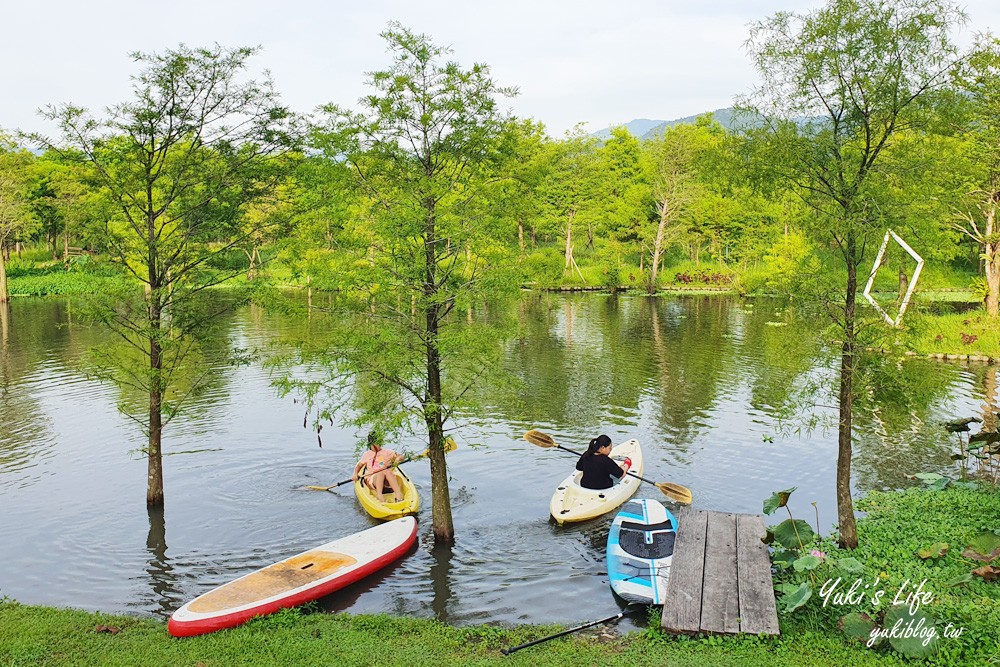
(720, 577)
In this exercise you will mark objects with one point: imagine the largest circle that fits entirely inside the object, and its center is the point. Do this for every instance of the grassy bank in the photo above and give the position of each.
(46, 637)
(896, 527)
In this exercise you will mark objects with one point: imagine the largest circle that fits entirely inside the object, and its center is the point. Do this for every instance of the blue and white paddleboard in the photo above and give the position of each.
(640, 548)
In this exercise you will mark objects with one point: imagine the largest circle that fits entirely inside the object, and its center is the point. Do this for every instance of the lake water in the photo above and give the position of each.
(700, 381)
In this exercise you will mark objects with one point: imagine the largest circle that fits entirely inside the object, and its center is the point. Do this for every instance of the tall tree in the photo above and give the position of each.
(673, 162)
(978, 218)
(427, 140)
(624, 191)
(570, 190)
(16, 217)
(180, 163)
(839, 84)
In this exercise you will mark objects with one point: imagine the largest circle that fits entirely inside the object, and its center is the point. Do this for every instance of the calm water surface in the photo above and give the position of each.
(701, 381)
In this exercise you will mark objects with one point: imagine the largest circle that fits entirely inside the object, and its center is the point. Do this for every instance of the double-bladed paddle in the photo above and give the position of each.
(630, 609)
(676, 492)
(449, 446)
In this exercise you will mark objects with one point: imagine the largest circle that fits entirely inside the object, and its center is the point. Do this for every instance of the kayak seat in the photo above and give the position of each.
(634, 542)
(647, 527)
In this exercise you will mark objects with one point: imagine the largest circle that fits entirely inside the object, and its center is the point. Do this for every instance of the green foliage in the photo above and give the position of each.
(794, 597)
(924, 638)
(64, 283)
(793, 534)
(777, 499)
(888, 564)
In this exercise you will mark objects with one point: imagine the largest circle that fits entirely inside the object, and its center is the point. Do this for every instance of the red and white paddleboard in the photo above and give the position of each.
(296, 580)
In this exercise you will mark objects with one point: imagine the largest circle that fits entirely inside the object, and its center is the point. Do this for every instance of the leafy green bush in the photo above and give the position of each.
(544, 267)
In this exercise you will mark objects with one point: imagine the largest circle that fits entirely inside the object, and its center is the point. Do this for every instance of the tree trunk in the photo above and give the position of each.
(658, 246)
(441, 519)
(845, 504)
(154, 477)
(991, 263)
(992, 266)
(520, 235)
(4, 294)
(904, 282)
(569, 240)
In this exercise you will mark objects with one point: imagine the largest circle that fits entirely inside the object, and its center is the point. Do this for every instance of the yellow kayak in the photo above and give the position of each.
(379, 508)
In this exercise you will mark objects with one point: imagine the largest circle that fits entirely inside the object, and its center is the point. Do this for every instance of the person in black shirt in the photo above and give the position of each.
(598, 468)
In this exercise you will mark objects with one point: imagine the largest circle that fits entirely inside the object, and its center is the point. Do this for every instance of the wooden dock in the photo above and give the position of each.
(720, 577)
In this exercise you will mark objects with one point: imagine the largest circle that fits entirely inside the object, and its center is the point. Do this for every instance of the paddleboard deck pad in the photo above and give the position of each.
(640, 549)
(296, 580)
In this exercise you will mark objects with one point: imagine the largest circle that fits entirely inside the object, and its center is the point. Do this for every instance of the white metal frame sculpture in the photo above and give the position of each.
(909, 288)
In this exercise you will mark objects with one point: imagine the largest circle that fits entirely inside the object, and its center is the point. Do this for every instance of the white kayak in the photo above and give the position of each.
(296, 580)
(571, 502)
(640, 550)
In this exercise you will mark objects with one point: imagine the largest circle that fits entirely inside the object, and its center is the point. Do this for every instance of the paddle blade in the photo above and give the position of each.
(540, 439)
(450, 445)
(319, 488)
(676, 492)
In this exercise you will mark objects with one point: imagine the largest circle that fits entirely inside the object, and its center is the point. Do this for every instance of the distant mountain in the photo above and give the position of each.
(647, 129)
(723, 116)
(638, 127)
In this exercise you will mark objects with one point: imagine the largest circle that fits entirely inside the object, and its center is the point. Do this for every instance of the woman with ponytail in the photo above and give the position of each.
(599, 470)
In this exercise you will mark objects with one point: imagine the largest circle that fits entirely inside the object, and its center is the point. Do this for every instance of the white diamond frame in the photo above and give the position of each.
(909, 288)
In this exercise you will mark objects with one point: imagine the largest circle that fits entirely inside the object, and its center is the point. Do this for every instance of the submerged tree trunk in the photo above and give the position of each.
(845, 504)
(154, 477)
(441, 519)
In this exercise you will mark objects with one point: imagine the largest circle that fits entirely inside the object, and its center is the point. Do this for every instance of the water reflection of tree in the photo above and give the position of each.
(197, 366)
(29, 333)
(989, 406)
(162, 581)
(623, 351)
(785, 351)
(899, 422)
(690, 354)
(440, 573)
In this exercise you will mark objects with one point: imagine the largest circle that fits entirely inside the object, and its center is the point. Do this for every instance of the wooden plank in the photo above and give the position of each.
(720, 606)
(758, 614)
(682, 606)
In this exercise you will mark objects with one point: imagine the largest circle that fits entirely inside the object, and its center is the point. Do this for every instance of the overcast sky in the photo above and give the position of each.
(574, 61)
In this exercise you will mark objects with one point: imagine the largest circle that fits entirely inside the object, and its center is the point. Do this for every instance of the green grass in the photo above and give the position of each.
(40, 637)
(972, 333)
